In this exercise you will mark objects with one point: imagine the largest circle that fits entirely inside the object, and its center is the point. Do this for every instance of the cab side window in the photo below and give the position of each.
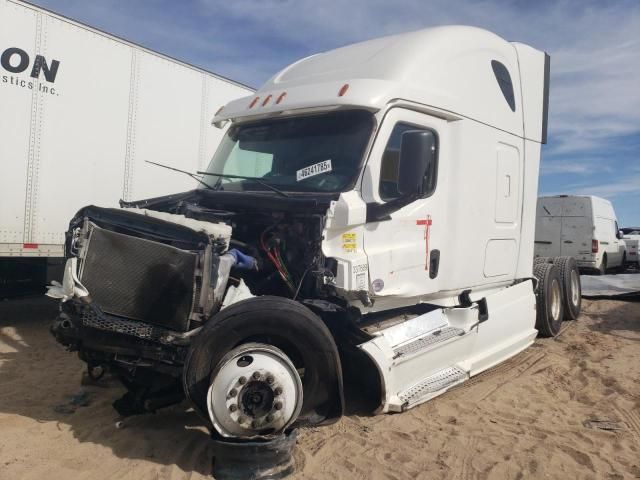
(391, 162)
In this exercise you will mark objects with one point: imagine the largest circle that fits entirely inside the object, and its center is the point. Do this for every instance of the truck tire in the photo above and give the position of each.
(542, 260)
(549, 305)
(571, 287)
(602, 269)
(623, 266)
(290, 328)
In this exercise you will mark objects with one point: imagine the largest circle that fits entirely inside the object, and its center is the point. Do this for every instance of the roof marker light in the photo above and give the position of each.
(266, 100)
(281, 97)
(253, 102)
(343, 89)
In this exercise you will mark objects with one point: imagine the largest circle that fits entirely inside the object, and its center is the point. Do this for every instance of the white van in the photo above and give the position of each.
(581, 226)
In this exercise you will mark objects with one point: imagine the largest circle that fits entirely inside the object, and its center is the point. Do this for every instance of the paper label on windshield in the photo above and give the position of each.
(313, 170)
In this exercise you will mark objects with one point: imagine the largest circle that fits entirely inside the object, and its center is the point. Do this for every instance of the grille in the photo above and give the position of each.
(125, 327)
(139, 279)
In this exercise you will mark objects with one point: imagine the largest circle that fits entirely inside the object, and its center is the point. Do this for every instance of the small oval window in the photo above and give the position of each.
(504, 81)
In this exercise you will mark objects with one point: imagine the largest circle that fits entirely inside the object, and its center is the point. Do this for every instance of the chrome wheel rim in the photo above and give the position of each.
(555, 299)
(254, 391)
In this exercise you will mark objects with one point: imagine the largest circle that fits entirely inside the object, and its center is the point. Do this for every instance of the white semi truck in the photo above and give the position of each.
(80, 112)
(368, 217)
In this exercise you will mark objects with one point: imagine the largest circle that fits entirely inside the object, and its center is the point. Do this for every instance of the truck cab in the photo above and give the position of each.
(370, 209)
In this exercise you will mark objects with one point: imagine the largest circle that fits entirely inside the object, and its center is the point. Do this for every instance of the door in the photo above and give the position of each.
(401, 247)
(548, 226)
(548, 236)
(576, 237)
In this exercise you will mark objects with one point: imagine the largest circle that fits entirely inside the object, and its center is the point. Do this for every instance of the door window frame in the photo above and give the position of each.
(370, 181)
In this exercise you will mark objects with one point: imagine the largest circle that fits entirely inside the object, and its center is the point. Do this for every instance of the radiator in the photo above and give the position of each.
(139, 279)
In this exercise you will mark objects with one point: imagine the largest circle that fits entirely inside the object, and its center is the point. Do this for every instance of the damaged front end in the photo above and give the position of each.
(145, 296)
(138, 285)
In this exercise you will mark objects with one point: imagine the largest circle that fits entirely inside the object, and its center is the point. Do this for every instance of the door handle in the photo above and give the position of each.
(434, 263)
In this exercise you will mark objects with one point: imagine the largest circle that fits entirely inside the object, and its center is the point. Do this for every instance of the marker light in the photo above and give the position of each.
(266, 100)
(281, 97)
(253, 102)
(343, 89)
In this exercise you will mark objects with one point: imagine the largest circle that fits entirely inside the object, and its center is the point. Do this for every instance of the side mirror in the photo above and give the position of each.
(417, 155)
(620, 234)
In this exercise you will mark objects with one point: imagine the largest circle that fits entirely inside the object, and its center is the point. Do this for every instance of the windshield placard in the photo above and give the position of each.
(313, 170)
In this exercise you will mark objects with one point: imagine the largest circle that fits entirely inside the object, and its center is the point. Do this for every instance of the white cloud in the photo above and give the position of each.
(626, 186)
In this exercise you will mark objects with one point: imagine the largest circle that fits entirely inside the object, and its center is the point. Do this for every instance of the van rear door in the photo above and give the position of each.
(548, 227)
(576, 237)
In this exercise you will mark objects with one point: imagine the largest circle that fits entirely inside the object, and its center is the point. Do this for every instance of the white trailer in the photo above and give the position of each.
(581, 226)
(397, 173)
(80, 112)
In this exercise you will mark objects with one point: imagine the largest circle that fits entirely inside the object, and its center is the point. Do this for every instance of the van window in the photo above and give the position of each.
(391, 162)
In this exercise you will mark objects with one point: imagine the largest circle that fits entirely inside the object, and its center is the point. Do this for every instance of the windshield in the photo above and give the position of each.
(319, 153)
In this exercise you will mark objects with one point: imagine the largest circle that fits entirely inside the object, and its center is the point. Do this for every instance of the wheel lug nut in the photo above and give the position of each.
(242, 419)
(277, 405)
(233, 407)
(255, 424)
(256, 375)
(278, 391)
(233, 392)
(270, 379)
(242, 380)
(269, 418)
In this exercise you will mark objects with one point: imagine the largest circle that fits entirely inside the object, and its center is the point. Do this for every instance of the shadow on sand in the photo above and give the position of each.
(40, 380)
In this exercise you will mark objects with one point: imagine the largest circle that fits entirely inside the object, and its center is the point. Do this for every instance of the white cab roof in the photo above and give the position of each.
(448, 68)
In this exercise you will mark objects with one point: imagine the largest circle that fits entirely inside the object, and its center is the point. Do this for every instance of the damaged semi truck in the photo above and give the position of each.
(370, 210)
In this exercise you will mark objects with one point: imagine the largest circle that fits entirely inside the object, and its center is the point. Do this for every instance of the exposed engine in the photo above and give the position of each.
(140, 283)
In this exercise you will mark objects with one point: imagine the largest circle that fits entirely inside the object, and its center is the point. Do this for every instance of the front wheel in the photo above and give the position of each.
(255, 390)
(269, 343)
(623, 265)
(602, 270)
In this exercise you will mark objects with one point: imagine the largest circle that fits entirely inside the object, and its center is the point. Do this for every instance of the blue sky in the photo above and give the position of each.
(594, 136)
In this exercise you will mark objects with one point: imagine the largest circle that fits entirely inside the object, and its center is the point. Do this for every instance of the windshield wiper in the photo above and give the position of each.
(242, 177)
(192, 175)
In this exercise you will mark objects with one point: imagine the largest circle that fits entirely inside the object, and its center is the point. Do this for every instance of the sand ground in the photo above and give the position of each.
(565, 408)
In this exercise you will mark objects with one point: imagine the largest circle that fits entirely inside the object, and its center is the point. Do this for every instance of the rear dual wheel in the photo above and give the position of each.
(549, 304)
(571, 287)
